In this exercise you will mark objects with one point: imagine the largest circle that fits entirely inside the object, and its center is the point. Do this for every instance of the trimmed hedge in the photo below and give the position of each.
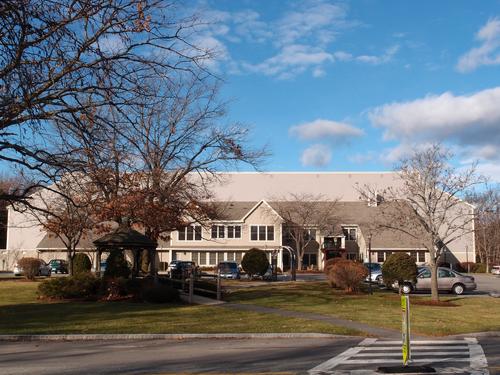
(84, 285)
(399, 267)
(81, 263)
(255, 262)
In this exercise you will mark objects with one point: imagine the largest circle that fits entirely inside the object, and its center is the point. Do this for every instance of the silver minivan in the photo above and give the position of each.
(448, 280)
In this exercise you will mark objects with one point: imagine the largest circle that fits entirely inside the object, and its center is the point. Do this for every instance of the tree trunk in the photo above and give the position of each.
(434, 280)
(69, 256)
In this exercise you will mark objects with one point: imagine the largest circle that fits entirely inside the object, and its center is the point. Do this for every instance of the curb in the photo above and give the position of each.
(173, 336)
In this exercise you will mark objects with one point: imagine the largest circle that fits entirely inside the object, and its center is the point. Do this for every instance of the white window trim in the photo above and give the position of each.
(234, 238)
(194, 234)
(261, 225)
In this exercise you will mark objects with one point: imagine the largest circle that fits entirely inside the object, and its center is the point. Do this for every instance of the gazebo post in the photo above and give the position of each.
(136, 254)
(152, 260)
(98, 263)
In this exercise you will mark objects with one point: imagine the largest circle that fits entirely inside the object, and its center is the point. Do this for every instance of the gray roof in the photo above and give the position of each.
(51, 242)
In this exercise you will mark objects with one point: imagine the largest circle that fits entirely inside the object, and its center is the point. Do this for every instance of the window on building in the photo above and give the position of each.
(421, 256)
(352, 256)
(270, 233)
(220, 256)
(350, 234)
(238, 257)
(262, 233)
(190, 233)
(203, 257)
(380, 256)
(212, 258)
(218, 231)
(234, 231)
(230, 256)
(310, 234)
(195, 257)
(253, 233)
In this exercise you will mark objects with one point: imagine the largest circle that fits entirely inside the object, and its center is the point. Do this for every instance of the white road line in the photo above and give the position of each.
(331, 363)
(413, 342)
(418, 360)
(369, 352)
(478, 361)
(413, 348)
(413, 353)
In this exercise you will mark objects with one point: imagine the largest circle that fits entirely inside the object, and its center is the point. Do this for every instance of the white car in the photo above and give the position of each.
(495, 270)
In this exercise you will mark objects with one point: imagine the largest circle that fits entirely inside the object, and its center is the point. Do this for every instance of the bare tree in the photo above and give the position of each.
(428, 205)
(66, 215)
(304, 217)
(487, 225)
(63, 60)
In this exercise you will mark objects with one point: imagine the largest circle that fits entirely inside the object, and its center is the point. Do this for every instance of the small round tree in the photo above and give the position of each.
(81, 263)
(399, 267)
(255, 262)
(116, 265)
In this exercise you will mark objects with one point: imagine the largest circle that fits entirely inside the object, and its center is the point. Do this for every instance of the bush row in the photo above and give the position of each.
(87, 286)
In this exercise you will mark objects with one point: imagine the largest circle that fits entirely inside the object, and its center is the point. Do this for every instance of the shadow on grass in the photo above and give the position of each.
(79, 317)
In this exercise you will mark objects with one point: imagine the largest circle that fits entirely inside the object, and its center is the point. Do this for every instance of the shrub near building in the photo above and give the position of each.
(81, 264)
(347, 274)
(30, 267)
(399, 267)
(255, 262)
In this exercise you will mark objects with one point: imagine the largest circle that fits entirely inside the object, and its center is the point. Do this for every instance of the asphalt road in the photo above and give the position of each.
(284, 356)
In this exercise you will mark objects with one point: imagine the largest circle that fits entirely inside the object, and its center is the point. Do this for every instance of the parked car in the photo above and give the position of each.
(228, 270)
(43, 270)
(376, 272)
(448, 280)
(58, 266)
(178, 269)
(495, 270)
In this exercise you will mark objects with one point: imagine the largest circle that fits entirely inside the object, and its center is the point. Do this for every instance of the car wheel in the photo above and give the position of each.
(458, 289)
(406, 289)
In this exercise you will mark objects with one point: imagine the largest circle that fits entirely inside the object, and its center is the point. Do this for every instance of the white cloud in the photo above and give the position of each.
(488, 53)
(317, 155)
(290, 61)
(312, 18)
(325, 130)
(468, 119)
(376, 60)
(490, 170)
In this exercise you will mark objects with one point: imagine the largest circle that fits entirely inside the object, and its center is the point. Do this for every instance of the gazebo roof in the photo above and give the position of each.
(125, 237)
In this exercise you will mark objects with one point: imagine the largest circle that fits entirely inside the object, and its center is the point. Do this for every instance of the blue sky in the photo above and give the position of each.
(338, 86)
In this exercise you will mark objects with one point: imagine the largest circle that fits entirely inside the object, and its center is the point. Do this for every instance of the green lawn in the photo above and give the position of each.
(382, 309)
(22, 313)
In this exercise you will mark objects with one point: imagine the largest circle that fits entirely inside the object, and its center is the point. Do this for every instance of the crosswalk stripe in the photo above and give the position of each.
(413, 353)
(413, 342)
(372, 352)
(417, 360)
(465, 347)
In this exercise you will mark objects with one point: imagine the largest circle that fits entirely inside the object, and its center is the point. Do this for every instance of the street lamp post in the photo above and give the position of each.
(370, 262)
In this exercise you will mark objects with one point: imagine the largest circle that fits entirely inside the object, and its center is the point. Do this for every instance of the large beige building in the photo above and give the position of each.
(250, 219)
